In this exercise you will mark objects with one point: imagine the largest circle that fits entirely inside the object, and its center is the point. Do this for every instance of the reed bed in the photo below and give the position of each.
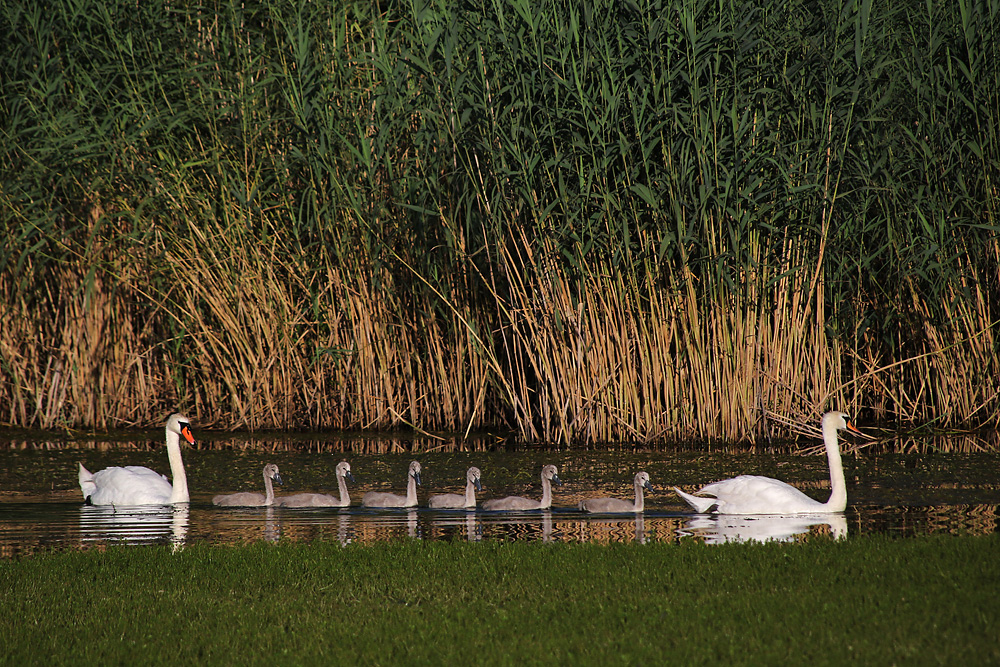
(620, 222)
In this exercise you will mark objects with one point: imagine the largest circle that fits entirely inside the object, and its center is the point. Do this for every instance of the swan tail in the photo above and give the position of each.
(700, 504)
(87, 485)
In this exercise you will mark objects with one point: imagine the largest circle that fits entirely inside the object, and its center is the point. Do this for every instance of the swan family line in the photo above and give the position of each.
(746, 494)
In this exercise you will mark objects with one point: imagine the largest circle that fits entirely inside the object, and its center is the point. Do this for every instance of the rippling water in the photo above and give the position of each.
(916, 490)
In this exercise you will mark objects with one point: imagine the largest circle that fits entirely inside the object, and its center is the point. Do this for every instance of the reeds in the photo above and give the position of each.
(614, 222)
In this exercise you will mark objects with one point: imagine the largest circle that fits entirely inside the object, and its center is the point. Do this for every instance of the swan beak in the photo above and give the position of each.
(186, 432)
(417, 477)
(479, 485)
(649, 487)
(277, 478)
(557, 480)
(853, 429)
(349, 476)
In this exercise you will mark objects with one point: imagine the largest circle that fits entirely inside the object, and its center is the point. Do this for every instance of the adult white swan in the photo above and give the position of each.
(616, 505)
(323, 499)
(750, 494)
(138, 485)
(385, 499)
(457, 501)
(249, 499)
(550, 474)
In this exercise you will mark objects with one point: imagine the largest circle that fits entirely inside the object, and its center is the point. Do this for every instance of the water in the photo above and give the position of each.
(910, 488)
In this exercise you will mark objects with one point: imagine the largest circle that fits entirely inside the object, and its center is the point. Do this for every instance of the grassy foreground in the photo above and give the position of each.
(871, 600)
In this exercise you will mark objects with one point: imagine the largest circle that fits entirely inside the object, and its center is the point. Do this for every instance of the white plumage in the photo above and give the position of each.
(751, 494)
(138, 485)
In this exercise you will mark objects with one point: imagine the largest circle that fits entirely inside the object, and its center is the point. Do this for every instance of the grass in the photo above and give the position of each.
(871, 600)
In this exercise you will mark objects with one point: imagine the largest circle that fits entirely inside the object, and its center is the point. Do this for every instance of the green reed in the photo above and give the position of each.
(621, 221)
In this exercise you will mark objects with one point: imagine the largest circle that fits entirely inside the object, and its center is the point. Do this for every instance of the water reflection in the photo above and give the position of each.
(26, 528)
(447, 525)
(723, 528)
(913, 493)
(358, 443)
(532, 526)
(622, 528)
(365, 444)
(154, 524)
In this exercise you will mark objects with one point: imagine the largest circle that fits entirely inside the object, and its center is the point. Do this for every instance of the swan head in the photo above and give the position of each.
(550, 472)
(839, 421)
(415, 471)
(473, 476)
(271, 472)
(180, 425)
(642, 479)
(344, 470)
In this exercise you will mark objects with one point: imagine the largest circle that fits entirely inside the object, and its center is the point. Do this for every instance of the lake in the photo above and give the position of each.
(904, 487)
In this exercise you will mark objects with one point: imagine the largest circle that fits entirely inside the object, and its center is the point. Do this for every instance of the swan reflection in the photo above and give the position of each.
(722, 528)
(272, 525)
(445, 523)
(179, 526)
(345, 534)
(137, 524)
(612, 529)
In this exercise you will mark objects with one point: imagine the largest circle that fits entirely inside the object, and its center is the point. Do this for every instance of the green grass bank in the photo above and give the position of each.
(861, 601)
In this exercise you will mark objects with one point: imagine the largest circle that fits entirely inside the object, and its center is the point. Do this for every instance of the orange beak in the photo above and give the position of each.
(853, 429)
(186, 432)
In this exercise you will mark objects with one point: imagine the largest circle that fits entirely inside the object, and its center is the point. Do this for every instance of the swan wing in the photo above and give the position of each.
(308, 500)
(608, 505)
(700, 505)
(447, 501)
(86, 482)
(512, 504)
(131, 485)
(383, 499)
(752, 494)
(243, 499)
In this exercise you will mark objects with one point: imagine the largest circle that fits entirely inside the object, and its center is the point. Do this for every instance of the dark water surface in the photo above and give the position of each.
(910, 488)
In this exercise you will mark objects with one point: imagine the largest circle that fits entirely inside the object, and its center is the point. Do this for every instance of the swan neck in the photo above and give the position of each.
(178, 479)
(268, 490)
(470, 493)
(345, 498)
(546, 493)
(838, 487)
(411, 490)
(640, 500)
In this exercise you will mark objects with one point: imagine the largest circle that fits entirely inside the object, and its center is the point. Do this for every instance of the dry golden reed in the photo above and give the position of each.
(584, 358)
(680, 224)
